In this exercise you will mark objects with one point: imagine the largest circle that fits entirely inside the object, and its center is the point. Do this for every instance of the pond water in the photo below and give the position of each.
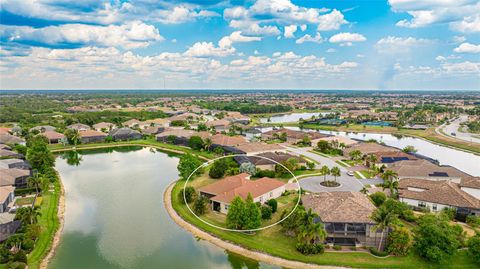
(115, 217)
(467, 162)
(291, 117)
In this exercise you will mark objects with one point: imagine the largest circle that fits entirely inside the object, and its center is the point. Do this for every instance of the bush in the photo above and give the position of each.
(190, 194)
(377, 252)
(473, 221)
(20, 256)
(24, 191)
(266, 212)
(218, 169)
(337, 247)
(306, 249)
(378, 198)
(200, 205)
(399, 242)
(265, 173)
(474, 247)
(272, 203)
(449, 213)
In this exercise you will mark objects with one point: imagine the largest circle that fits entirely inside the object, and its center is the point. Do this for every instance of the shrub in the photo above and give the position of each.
(473, 221)
(449, 213)
(248, 168)
(337, 247)
(399, 242)
(378, 198)
(272, 203)
(306, 249)
(353, 248)
(190, 194)
(200, 205)
(195, 142)
(20, 256)
(377, 252)
(265, 173)
(218, 169)
(474, 247)
(266, 212)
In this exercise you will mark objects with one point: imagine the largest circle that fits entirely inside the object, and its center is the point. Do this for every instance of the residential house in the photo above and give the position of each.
(292, 136)
(225, 140)
(158, 122)
(437, 195)
(346, 217)
(471, 185)
(14, 177)
(180, 136)
(6, 197)
(125, 133)
(268, 160)
(367, 148)
(11, 139)
(254, 148)
(134, 123)
(43, 128)
(222, 192)
(219, 125)
(423, 169)
(6, 147)
(54, 137)
(336, 140)
(390, 157)
(14, 163)
(92, 136)
(79, 127)
(104, 126)
(5, 130)
(8, 226)
(153, 130)
(237, 117)
(5, 153)
(187, 116)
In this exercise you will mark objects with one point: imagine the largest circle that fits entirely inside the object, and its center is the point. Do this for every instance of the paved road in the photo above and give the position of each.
(453, 127)
(312, 184)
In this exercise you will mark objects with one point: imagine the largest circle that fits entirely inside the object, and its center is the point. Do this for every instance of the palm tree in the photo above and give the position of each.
(335, 172)
(384, 219)
(342, 146)
(325, 171)
(355, 155)
(208, 143)
(371, 159)
(35, 181)
(309, 231)
(390, 181)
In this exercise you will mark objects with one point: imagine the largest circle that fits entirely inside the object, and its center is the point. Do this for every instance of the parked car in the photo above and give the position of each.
(350, 173)
(454, 134)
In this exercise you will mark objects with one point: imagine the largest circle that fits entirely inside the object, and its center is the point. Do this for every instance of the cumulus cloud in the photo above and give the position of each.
(134, 34)
(250, 28)
(346, 39)
(283, 12)
(208, 49)
(290, 31)
(308, 38)
(461, 15)
(227, 41)
(467, 48)
(400, 44)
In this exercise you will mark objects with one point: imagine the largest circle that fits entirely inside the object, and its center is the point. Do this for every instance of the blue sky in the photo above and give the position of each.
(342, 44)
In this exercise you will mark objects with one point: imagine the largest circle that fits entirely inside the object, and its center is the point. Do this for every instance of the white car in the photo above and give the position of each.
(350, 173)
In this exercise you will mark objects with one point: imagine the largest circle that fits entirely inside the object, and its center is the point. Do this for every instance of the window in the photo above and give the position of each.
(271, 194)
(434, 207)
(422, 204)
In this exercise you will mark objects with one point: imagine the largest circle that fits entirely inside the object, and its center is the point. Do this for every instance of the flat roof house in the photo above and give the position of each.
(222, 192)
(346, 217)
(437, 195)
(92, 136)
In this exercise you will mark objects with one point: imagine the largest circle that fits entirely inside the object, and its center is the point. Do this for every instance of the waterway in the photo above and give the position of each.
(115, 218)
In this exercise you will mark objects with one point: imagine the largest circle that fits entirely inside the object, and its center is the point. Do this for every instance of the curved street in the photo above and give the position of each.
(454, 128)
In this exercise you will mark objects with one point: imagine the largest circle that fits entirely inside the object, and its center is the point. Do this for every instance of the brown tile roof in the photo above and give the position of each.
(470, 182)
(53, 135)
(225, 184)
(226, 140)
(351, 207)
(217, 123)
(5, 192)
(105, 125)
(424, 168)
(294, 134)
(276, 156)
(441, 192)
(10, 139)
(369, 148)
(259, 147)
(8, 176)
(4, 130)
(91, 133)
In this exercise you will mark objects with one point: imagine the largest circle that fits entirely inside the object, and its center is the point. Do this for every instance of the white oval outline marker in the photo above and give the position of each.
(205, 164)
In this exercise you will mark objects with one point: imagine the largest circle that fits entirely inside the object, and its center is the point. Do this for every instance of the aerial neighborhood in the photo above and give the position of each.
(330, 185)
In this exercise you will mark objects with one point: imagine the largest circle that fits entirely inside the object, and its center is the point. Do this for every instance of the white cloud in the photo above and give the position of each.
(179, 14)
(283, 12)
(290, 31)
(130, 35)
(303, 27)
(227, 41)
(461, 15)
(400, 44)
(346, 39)
(208, 49)
(250, 28)
(308, 38)
(331, 50)
(467, 48)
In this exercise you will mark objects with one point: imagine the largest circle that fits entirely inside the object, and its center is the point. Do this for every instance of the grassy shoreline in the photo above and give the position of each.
(273, 242)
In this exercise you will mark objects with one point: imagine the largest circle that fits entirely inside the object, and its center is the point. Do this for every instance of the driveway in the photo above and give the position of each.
(312, 184)
(453, 127)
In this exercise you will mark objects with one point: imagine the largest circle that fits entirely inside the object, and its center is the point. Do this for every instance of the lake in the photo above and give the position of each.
(291, 117)
(115, 217)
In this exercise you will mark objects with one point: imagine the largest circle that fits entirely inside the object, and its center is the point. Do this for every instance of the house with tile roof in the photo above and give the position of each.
(14, 177)
(91, 136)
(346, 217)
(79, 127)
(423, 169)
(54, 137)
(437, 195)
(291, 135)
(254, 148)
(222, 192)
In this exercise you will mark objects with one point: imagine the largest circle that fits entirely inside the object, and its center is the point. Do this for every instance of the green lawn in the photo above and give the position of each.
(274, 242)
(368, 173)
(49, 222)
